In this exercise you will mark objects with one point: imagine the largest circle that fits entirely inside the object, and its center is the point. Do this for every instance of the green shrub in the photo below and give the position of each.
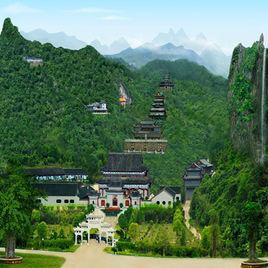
(124, 245)
(58, 243)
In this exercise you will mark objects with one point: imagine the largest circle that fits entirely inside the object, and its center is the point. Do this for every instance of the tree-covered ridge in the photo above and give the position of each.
(236, 182)
(43, 119)
(245, 101)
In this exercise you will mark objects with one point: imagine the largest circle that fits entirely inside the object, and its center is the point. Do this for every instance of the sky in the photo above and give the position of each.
(225, 23)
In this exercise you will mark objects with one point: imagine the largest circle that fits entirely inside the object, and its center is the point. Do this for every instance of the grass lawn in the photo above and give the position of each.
(37, 261)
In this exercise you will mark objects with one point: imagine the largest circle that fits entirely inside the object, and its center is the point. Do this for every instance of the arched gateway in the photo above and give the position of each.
(95, 220)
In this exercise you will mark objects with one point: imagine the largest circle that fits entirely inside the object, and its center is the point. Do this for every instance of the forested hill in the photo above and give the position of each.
(239, 188)
(43, 119)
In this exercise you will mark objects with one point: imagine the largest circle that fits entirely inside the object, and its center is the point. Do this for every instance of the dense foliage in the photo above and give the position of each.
(242, 100)
(44, 121)
(233, 192)
(156, 230)
(17, 200)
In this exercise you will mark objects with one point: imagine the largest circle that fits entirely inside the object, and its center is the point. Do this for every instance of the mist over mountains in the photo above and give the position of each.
(59, 39)
(165, 46)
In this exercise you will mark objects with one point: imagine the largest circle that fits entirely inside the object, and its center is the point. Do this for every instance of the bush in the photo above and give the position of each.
(58, 243)
(171, 250)
(50, 244)
(190, 252)
(124, 245)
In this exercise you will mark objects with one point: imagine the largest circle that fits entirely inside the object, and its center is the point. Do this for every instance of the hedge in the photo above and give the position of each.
(171, 250)
(50, 244)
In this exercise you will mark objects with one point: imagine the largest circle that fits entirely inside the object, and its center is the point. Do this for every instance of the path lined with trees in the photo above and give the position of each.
(186, 209)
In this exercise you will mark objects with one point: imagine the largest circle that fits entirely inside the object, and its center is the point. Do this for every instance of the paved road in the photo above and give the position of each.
(92, 256)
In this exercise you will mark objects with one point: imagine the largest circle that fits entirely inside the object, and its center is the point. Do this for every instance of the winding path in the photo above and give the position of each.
(92, 256)
(186, 209)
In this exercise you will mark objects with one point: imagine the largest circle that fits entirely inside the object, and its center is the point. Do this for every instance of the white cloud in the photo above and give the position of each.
(94, 10)
(114, 18)
(19, 8)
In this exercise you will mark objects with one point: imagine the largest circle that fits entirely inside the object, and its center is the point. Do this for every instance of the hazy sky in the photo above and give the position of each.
(224, 22)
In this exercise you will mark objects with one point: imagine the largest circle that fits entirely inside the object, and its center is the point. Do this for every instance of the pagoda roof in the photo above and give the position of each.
(120, 182)
(54, 171)
(172, 190)
(124, 162)
(58, 189)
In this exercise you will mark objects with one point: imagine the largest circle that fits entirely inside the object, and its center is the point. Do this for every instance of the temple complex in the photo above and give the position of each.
(147, 139)
(125, 181)
(166, 83)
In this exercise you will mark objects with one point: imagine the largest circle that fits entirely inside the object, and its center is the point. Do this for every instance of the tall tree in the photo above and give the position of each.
(215, 232)
(253, 217)
(17, 200)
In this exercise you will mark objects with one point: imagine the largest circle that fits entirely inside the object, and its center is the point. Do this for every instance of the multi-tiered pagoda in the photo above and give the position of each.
(158, 110)
(166, 83)
(125, 181)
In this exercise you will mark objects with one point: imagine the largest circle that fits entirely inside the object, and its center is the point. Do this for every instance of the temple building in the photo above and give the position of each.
(62, 186)
(147, 139)
(167, 195)
(195, 174)
(166, 83)
(158, 110)
(147, 130)
(98, 108)
(125, 181)
(57, 174)
(34, 62)
(66, 193)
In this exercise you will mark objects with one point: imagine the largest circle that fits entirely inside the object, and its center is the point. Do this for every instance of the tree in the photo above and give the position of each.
(253, 217)
(205, 238)
(178, 225)
(61, 233)
(162, 239)
(90, 208)
(36, 216)
(54, 235)
(133, 232)
(42, 230)
(17, 200)
(214, 232)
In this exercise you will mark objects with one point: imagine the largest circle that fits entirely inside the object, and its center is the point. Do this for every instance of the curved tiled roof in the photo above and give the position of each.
(125, 162)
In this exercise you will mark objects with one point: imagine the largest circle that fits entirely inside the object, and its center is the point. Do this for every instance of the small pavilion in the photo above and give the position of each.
(95, 220)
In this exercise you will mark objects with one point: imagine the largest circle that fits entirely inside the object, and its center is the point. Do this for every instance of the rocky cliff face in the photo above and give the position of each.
(245, 98)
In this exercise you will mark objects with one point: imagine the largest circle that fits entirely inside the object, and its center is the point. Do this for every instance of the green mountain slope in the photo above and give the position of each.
(239, 179)
(43, 119)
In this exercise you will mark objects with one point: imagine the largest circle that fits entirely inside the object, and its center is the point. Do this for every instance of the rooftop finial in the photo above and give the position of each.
(262, 38)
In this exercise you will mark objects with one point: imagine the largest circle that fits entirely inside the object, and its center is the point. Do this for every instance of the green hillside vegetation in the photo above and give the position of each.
(232, 205)
(236, 182)
(153, 230)
(44, 122)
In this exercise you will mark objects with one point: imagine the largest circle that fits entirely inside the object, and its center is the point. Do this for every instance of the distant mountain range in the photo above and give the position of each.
(116, 47)
(165, 46)
(140, 56)
(59, 39)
